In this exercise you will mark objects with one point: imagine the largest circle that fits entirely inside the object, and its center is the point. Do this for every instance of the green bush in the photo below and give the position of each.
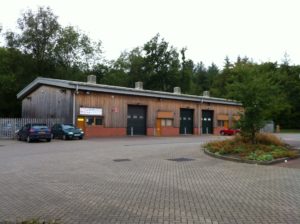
(239, 149)
(268, 148)
(252, 156)
(265, 157)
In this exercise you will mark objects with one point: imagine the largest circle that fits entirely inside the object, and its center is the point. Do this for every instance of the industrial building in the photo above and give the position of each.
(103, 110)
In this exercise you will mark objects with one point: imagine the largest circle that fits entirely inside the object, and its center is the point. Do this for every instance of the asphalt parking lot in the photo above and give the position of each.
(141, 180)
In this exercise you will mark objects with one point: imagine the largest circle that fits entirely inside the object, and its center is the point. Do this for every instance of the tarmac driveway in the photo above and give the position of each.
(79, 182)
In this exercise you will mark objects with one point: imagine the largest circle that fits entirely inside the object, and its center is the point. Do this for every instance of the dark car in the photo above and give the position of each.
(34, 131)
(228, 131)
(66, 131)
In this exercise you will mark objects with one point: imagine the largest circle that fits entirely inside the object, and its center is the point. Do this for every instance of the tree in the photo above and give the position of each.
(51, 45)
(133, 64)
(74, 48)
(117, 72)
(199, 79)
(212, 72)
(42, 47)
(186, 72)
(289, 82)
(161, 65)
(15, 71)
(259, 95)
(38, 37)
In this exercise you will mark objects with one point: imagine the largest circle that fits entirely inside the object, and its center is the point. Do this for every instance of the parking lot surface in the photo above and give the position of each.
(141, 180)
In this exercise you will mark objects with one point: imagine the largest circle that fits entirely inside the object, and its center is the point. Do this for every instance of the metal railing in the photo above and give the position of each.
(9, 126)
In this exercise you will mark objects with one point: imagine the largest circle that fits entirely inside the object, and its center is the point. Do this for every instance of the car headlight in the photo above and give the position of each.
(82, 132)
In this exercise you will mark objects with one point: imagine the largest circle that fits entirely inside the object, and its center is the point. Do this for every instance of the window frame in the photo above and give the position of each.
(221, 123)
(94, 123)
(164, 122)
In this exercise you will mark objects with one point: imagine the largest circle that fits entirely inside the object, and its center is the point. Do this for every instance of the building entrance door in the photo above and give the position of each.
(207, 121)
(81, 123)
(158, 127)
(186, 121)
(136, 120)
(226, 124)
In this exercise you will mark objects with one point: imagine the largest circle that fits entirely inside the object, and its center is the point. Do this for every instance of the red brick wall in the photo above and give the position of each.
(94, 131)
(150, 131)
(217, 130)
(196, 131)
(169, 131)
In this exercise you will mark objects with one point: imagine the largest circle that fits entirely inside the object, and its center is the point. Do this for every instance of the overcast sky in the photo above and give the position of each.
(263, 30)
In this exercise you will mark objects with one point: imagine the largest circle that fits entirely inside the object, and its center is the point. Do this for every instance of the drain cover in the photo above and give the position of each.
(121, 160)
(182, 159)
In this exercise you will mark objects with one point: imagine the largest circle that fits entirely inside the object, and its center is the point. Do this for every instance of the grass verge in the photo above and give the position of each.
(290, 131)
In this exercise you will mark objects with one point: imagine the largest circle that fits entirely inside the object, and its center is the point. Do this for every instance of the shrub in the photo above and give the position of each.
(281, 153)
(269, 147)
(252, 156)
(268, 139)
(239, 149)
(264, 157)
(223, 147)
(292, 154)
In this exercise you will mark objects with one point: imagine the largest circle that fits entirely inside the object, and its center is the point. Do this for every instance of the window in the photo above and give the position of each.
(166, 122)
(94, 120)
(90, 120)
(221, 123)
(98, 121)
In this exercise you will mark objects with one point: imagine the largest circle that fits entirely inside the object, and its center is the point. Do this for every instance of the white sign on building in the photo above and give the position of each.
(90, 111)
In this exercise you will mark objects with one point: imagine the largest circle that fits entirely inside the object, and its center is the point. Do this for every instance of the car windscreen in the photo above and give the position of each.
(66, 126)
(39, 126)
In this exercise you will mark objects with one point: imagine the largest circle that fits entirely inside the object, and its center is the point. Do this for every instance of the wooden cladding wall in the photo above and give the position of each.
(48, 102)
(115, 108)
(54, 102)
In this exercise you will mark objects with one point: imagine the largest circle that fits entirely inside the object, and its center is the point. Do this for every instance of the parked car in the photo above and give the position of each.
(34, 131)
(228, 131)
(66, 131)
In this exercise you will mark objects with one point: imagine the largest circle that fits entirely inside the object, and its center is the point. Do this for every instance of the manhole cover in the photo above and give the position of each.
(182, 159)
(121, 160)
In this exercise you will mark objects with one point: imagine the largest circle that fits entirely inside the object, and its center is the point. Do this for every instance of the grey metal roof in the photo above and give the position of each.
(118, 90)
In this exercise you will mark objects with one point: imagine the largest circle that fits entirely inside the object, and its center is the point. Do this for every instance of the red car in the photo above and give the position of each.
(229, 131)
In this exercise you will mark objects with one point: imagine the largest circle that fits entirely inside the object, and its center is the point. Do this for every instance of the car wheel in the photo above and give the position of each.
(48, 139)
(80, 138)
(28, 139)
